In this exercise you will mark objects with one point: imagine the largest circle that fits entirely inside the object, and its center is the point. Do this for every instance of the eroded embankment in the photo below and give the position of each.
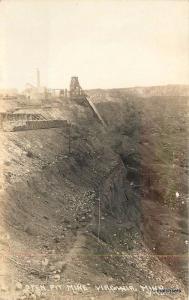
(120, 232)
(151, 135)
(73, 216)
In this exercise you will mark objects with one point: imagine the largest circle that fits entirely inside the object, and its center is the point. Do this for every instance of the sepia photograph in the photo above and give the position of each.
(94, 149)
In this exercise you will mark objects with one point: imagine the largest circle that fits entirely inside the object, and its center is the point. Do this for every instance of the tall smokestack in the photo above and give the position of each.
(38, 78)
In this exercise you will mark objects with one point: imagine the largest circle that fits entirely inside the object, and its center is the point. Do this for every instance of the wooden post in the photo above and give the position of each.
(69, 138)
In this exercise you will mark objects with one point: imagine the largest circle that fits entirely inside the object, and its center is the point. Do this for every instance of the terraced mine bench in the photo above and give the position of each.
(6, 119)
(41, 124)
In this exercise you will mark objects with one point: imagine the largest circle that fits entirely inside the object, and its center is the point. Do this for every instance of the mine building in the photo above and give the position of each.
(75, 88)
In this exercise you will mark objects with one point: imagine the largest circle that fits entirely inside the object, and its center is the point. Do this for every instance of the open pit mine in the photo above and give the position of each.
(93, 193)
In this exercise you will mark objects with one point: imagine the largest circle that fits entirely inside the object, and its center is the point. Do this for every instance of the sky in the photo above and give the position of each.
(107, 44)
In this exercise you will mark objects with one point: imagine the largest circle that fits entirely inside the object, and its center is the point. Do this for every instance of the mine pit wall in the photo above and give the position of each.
(117, 207)
(112, 192)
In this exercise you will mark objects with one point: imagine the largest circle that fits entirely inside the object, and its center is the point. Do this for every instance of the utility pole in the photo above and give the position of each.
(69, 138)
(38, 79)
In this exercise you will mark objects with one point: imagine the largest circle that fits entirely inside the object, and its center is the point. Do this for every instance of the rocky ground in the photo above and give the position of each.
(103, 220)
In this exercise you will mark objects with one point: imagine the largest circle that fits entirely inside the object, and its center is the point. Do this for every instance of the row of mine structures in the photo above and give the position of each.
(44, 93)
(29, 110)
(39, 92)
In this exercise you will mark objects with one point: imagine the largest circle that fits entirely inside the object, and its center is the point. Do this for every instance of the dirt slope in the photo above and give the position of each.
(77, 223)
(152, 139)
